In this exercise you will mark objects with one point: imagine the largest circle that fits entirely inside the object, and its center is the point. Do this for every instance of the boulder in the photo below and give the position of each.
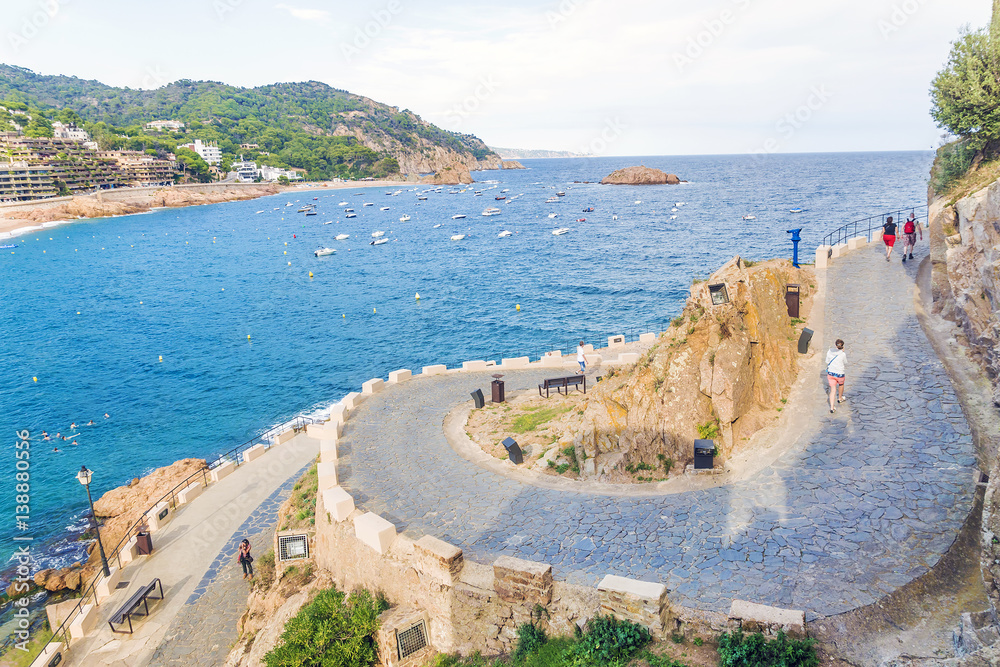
(511, 164)
(640, 176)
(451, 175)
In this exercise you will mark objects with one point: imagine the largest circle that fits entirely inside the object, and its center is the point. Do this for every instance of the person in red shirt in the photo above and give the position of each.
(889, 236)
(910, 229)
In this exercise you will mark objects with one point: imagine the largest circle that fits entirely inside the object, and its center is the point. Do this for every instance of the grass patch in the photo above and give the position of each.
(677, 321)
(333, 630)
(797, 320)
(535, 418)
(301, 509)
(264, 571)
(15, 657)
(739, 650)
(708, 430)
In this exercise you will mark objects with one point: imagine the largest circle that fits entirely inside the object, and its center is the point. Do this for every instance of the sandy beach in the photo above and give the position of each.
(21, 218)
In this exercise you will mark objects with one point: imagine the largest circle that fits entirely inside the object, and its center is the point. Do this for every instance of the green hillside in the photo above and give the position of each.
(294, 124)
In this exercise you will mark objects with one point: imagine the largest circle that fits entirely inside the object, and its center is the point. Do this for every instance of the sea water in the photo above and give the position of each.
(91, 308)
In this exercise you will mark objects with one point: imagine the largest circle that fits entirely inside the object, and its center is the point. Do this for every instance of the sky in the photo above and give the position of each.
(631, 77)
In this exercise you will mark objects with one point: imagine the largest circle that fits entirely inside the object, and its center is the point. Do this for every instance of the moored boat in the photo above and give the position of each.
(560, 231)
(323, 252)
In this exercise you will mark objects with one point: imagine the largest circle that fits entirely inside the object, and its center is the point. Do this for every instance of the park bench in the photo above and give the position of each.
(563, 383)
(131, 606)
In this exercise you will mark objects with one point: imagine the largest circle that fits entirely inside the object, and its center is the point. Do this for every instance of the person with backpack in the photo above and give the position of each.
(836, 369)
(910, 229)
(246, 560)
(889, 236)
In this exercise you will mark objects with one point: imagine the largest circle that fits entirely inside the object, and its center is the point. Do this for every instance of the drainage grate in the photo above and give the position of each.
(411, 640)
(293, 547)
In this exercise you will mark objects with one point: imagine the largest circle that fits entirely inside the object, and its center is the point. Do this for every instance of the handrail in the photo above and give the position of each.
(297, 424)
(631, 335)
(852, 229)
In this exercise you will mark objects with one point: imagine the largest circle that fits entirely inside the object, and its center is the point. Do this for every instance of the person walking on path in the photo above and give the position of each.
(581, 359)
(246, 560)
(889, 236)
(836, 369)
(910, 229)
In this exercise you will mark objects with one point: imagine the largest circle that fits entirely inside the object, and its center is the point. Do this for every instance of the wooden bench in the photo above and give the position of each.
(563, 383)
(130, 607)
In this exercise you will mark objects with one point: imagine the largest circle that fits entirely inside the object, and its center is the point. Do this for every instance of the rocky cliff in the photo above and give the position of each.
(965, 261)
(640, 176)
(721, 368)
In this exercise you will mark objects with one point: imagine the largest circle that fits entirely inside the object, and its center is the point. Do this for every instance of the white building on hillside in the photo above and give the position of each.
(274, 173)
(70, 132)
(210, 153)
(246, 172)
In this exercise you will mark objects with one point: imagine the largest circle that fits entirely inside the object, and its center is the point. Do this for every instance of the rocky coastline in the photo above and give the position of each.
(640, 175)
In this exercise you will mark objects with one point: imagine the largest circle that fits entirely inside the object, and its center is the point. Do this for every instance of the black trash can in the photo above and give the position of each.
(477, 398)
(792, 300)
(704, 454)
(498, 395)
(143, 543)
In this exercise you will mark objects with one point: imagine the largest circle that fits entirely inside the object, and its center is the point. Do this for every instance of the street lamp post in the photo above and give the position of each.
(84, 477)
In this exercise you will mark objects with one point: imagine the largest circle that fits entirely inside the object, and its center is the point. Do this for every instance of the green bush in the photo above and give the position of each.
(331, 631)
(529, 639)
(608, 641)
(708, 430)
(954, 161)
(739, 650)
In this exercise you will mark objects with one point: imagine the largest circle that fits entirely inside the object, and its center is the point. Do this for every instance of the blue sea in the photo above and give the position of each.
(91, 308)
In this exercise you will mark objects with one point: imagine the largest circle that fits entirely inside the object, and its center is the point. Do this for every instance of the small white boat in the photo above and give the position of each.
(343, 203)
(674, 209)
(328, 222)
(437, 225)
(551, 200)
(680, 203)
(368, 203)
(379, 241)
(638, 201)
(323, 252)
(376, 235)
(560, 231)
(560, 194)
(404, 218)
(492, 211)
(421, 198)
(552, 215)
(795, 210)
(458, 237)
(288, 204)
(348, 210)
(748, 217)
(614, 217)
(458, 217)
(259, 212)
(343, 237)
(673, 217)
(351, 215)
(384, 208)
(504, 234)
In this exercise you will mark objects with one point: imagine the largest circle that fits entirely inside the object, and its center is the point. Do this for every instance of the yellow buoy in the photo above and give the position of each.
(418, 296)
(248, 336)
(34, 379)
(344, 316)
(78, 312)
(310, 274)
(286, 242)
(374, 311)
(140, 303)
(161, 358)
(289, 264)
(223, 289)
(519, 306)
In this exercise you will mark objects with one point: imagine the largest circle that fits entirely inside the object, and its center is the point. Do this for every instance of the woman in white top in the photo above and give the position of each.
(836, 369)
(582, 360)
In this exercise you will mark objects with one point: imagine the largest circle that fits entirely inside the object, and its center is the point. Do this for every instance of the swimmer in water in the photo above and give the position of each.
(58, 435)
(74, 442)
(72, 426)
(107, 416)
(55, 449)
(46, 437)
(44, 433)
(90, 423)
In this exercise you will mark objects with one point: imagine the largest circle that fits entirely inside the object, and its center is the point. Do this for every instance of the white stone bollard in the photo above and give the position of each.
(373, 386)
(222, 470)
(338, 503)
(822, 257)
(251, 453)
(84, 623)
(327, 473)
(328, 451)
(515, 362)
(647, 338)
(437, 369)
(402, 375)
(375, 531)
(189, 493)
(478, 365)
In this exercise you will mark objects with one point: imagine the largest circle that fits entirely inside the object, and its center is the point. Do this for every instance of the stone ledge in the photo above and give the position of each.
(641, 602)
(754, 617)
(516, 580)
(373, 386)
(338, 502)
(441, 556)
(402, 375)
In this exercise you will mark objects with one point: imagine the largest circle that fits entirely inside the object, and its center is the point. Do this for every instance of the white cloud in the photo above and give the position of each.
(305, 14)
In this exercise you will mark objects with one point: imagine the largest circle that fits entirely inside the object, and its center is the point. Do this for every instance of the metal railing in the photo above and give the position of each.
(570, 343)
(90, 590)
(866, 226)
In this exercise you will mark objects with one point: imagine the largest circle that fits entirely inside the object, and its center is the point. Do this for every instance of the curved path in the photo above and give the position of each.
(865, 501)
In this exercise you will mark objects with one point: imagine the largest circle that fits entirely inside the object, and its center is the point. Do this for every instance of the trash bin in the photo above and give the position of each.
(704, 454)
(143, 543)
(513, 451)
(477, 398)
(497, 386)
(792, 300)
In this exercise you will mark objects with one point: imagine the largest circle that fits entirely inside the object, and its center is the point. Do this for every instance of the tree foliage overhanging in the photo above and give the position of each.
(966, 93)
(292, 123)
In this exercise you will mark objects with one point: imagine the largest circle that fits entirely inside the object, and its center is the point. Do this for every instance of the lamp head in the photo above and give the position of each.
(84, 475)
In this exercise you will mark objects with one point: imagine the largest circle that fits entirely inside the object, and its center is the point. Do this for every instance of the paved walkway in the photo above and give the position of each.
(863, 502)
(194, 557)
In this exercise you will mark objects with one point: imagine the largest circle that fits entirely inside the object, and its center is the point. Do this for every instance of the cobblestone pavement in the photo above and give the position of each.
(205, 632)
(865, 501)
